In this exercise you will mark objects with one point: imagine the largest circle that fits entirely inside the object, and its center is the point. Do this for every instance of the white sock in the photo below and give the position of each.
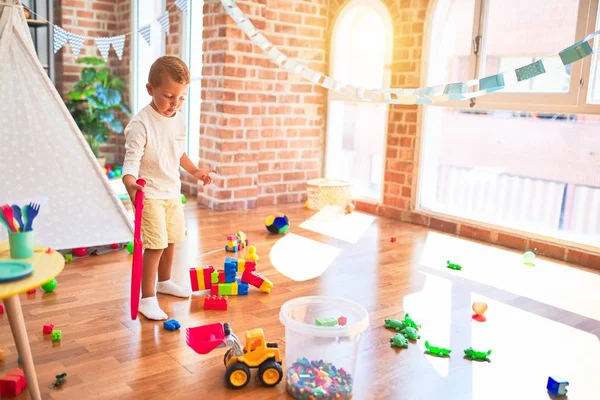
(168, 287)
(150, 309)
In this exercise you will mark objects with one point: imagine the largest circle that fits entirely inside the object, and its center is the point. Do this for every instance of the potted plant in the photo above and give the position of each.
(95, 101)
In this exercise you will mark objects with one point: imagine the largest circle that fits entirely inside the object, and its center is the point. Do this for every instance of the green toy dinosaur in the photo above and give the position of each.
(411, 322)
(395, 324)
(436, 351)
(477, 355)
(399, 341)
(410, 333)
(453, 266)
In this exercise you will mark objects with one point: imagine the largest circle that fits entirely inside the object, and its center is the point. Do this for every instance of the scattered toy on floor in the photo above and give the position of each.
(236, 242)
(47, 329)
(1, 309)
(32, 291)
(436, 351)
(224, 282)
(257, 353)
(277, 223)
(13, 383)
(411, 322)
(399, 340)
(453, 266)
(395, 324)
(215, 303)
(529, 258)
(50, 285)
(342, 321)
(171, 325)
(393, 239)
(130, 247)
(56, 335)
(410, 333)
(68, 257)
(479, 308)
(60, 380)
(557, 386)
(477, 355)
(80, 251)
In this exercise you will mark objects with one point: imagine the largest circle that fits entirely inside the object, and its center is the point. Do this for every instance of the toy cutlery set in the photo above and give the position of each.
(17, 219)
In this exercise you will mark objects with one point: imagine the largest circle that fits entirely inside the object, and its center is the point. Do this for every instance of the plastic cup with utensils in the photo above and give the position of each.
(21, 244)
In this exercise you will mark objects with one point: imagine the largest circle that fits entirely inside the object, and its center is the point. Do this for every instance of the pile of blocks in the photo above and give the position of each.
(225, 282)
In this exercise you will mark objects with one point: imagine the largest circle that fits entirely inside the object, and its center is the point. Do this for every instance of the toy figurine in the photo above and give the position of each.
(436, 351)
(477, 355)
(410, 333)
(399, 341)
(395, 324)
(453, 266)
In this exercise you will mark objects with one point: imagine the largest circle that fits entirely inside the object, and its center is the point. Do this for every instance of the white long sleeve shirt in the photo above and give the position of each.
(154, 145)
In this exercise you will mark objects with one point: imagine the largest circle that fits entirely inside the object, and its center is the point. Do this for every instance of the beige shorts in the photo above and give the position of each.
(162, 223)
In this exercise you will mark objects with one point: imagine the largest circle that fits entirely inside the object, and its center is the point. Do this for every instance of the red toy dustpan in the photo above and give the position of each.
(136, 267)
(204, 339)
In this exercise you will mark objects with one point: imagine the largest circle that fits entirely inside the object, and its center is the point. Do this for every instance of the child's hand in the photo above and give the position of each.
(204, 176)
(131, 186)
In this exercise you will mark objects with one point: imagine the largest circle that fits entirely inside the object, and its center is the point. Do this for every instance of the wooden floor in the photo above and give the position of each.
(542, 320)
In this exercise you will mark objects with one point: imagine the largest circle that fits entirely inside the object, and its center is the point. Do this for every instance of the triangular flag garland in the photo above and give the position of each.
(164, 22)
(60, 38)
(103, 44)
(76, 42)
(146, 33)
(118, 44)
(182, 5)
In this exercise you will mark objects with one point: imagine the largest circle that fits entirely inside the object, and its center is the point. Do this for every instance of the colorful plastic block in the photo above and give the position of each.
(206, 271)
(214, 277)
(262, 283)
(214, 290)
(221, 276)
(557, 386)
(326, 322)
(200, 278)
(241, 265)
(249, 265)
(1, 309)
(229, 277)
(230, 264)
(248, 277)
(48, 328)
(215, 303)
(68, 257)
(242, 287)
(56, 335)
(171, 325)
(13, 383)
(228, 289)
(342, 321)
(194, 279)
(32, 291)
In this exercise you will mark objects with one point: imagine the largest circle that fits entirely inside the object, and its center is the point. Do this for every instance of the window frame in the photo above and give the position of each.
(381, 9)
(574, 101)
(502, 101)
(186, 50)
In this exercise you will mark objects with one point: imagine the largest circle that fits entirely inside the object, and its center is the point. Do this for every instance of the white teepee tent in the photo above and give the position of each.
(43, 155)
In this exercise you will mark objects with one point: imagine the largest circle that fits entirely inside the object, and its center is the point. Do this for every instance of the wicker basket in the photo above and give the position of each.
(327, 192)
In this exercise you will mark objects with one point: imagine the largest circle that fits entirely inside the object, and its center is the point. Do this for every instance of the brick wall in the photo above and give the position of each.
(93, 18)
(262, 129)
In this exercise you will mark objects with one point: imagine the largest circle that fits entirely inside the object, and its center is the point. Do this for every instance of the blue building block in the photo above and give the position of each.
(242, 287)
(231, 264)
(171, 325)
(557, 386)
(230, 276)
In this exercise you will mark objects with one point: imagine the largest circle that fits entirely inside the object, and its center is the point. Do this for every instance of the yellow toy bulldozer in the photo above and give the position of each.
(238, 360)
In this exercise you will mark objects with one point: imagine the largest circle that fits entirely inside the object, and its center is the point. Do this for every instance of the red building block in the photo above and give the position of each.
(249, 277)
(48, 328)
(1, 309)
(194, 279)
(32, 291)
(206, 271)
(13, 383)
(250, 266)
(214, 290)
(215, 303)
(221, 276)
(342, 321)
(393, 239)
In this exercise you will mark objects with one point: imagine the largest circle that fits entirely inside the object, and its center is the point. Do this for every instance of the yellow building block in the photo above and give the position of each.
(241, 265)
(266, 286)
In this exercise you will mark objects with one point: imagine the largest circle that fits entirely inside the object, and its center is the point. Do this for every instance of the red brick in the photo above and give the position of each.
(442, 225)
(474, 233)
(512, 241)
(545, 249)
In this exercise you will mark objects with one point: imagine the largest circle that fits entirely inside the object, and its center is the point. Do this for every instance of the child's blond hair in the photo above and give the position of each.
(171, 65)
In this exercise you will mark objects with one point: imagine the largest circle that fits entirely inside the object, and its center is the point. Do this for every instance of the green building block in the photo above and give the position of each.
(326, 321)
(226, 289)
(56, 335)
(68, 257)
(214, 277)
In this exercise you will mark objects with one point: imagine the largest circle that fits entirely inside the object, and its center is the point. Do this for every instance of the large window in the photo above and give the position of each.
(361, 52)
(526, 158)
(193, 54)
(146, 12)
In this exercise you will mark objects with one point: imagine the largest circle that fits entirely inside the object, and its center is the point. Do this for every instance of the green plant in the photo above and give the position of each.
(95, 101)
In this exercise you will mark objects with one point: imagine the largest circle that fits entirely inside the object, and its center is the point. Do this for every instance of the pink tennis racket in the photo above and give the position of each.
(136, 268)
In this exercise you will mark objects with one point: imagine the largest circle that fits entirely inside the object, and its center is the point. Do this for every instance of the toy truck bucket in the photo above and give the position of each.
(204, 339)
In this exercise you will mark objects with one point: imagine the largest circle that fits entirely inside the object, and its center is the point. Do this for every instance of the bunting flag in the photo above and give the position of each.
(426, 95)
(146, 32)
(182, 5)
(76, 43)
(164, 22)
(118, 44)
(103, 44)
(60, 38)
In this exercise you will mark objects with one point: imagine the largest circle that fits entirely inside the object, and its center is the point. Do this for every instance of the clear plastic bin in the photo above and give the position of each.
(320, 360)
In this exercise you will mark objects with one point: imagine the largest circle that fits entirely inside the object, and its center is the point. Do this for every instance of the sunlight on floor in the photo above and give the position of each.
(431, 308)
(526, 349)
(333, 223)
(548, 282)
(301, 259)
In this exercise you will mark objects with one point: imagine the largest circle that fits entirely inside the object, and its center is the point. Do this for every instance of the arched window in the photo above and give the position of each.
(518, 159)
(361, 54)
